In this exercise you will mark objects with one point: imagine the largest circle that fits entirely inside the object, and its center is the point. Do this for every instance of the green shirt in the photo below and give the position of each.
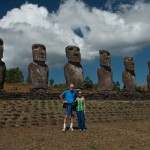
(80, 106)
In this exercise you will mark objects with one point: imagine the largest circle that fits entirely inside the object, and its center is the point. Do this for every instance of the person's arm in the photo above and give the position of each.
(75, 96)
(84, 105)
(62, 98)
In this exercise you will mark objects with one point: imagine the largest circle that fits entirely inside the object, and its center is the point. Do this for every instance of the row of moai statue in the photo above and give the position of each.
(38, 71)
(105, 75)
(74, 72)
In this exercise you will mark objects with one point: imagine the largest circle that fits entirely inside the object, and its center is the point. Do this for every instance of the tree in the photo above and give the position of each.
(139, 89)
(51, 82)
(88, 83)
(117, 86)
(14, 75)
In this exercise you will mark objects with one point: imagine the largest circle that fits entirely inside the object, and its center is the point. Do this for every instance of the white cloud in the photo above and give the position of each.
(109, 6)
(123, 32)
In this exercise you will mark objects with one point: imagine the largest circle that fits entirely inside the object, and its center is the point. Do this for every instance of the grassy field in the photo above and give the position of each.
(37, 125)
(13, 87)
(111, 125)
(129, 135)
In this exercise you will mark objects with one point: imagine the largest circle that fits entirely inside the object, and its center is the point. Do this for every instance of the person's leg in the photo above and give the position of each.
(82, 120)
(67, 112)
(79, 119)
(65, 119)
(72, 121)
(73, 113)
(65, 122)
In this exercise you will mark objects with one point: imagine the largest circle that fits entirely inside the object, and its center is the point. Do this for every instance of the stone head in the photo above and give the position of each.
(129, 64)
(39, 52)
(73, 54)
(104, 58)
(1, 48)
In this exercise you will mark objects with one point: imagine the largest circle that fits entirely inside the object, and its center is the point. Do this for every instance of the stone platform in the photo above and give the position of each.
(39, 109)
(88, 96)
(26, 113)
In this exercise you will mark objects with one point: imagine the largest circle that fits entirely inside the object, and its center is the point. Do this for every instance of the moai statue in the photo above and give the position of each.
(73, 70)
(105, 75)
(128, 76)
(38, 70)
(148, 77)
(2, 67)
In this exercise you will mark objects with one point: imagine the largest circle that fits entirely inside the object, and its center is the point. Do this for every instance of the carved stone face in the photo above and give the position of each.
(104, 58)
(39, 52)
(73, 54)
(148, 64)
(1, 48)
(129, 64)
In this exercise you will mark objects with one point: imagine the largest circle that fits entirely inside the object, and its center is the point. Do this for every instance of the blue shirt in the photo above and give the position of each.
(69, 96)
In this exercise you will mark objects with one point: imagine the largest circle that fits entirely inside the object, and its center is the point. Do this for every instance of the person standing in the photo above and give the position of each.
(68, 97)
(81, 111)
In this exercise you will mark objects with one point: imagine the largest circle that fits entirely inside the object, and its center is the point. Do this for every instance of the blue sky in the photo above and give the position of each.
(120, 26)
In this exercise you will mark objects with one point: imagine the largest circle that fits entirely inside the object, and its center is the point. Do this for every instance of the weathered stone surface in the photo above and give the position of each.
(73, 69)
(128, 76)
(105, 75)
(2, 67)
(148, 77)
(38, 70)
(55, 96)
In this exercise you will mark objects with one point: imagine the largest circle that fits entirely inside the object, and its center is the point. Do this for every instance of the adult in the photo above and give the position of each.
(68, 97)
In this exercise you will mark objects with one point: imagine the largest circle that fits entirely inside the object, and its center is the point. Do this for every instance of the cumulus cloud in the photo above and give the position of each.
(123, 32)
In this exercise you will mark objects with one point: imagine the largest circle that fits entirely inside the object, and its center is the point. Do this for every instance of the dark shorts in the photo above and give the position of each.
(69, 110)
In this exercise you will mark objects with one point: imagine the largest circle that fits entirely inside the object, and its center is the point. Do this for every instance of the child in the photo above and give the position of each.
(81, 111)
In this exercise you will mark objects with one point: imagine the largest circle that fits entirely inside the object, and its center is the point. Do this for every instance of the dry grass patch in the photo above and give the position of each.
(103, 136)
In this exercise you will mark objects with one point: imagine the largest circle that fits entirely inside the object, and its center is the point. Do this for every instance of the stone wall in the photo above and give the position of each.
(88, 96)
(19, 113)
